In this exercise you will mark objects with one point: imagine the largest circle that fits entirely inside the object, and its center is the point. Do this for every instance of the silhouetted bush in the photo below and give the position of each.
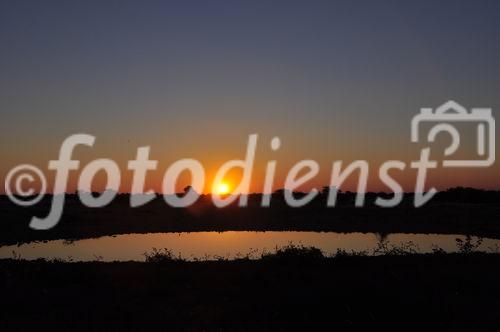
(468, 245)
(388, 249)
(162, 256)
(294, 252)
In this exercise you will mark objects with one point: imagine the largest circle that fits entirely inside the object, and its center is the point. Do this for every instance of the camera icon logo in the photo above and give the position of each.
(451, 112)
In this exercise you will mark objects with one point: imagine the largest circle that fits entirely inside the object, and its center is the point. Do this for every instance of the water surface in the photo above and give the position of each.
(231, 244)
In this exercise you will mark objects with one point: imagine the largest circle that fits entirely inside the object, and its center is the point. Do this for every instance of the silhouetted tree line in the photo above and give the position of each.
(451, 195)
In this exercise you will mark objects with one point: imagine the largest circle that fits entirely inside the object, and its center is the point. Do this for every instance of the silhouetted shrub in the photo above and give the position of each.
(295, 253)
(162, 256)
(468, 245)
(386, 248)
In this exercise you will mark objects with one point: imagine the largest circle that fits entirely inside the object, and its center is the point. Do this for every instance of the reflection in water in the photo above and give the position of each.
(381, 236)
(201, 245)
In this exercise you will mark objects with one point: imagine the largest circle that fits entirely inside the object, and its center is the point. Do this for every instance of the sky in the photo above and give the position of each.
(335, 80)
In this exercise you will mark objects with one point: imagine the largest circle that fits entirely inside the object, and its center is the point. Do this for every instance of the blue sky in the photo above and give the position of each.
(332, 78)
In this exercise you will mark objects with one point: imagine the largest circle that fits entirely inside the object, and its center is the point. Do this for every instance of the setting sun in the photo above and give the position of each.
(223, 188)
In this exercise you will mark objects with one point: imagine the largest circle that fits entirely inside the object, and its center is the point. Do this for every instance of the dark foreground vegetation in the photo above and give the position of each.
(294, 288)
(456, 211)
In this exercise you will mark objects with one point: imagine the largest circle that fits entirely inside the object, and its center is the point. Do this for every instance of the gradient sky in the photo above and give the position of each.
(335, 80)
